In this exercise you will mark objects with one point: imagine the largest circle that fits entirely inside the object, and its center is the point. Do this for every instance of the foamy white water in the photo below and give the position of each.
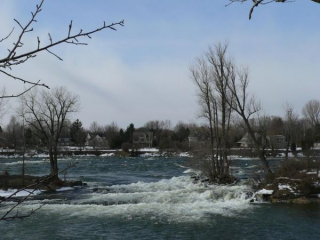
(176, 199)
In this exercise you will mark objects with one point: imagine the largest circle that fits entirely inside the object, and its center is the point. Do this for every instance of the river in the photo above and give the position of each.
(153, 198)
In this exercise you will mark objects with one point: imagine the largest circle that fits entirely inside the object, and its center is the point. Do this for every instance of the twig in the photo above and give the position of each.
(24, 81)
(20, 94)
(55, 55)
(7, 36)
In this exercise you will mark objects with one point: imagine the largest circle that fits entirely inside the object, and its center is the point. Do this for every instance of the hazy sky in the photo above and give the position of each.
(140, 72)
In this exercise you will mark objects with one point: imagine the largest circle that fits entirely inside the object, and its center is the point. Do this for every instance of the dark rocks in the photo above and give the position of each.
(43, 183)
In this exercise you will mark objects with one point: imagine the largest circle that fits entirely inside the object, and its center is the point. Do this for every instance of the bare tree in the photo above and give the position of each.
(47, 112)
(200, 75)
(246, 107)
(311, 111)
(211, 75)
(256, 3)
(222, 69)
(17, 56)
(290, 127)
(95, 128)
(111, 129)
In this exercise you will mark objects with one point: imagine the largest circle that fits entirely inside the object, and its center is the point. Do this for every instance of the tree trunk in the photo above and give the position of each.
(260, 152)
(225, 167)
(51, 159)
(55, 158)
(212, 142)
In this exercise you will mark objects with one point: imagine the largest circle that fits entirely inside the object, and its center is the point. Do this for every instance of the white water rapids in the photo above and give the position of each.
(172, 200)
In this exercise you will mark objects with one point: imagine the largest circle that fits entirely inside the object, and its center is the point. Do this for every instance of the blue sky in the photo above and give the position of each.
(140, 72)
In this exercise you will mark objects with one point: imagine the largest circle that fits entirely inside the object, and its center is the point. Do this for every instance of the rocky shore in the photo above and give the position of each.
(304, 187)
(44, 183)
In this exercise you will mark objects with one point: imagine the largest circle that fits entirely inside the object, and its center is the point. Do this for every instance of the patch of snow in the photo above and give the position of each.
(311, 173)
(280, 178)
(184, 154)
(41, 155)
(86, 155)
(241, 158)
(284, 187)
(265, 191)
(63, 189)
(107, 155)
(149, 149)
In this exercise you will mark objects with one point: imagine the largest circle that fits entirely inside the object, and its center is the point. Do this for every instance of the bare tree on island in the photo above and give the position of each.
(221, 71)
(46, 113)
(201, 77)
(222, 88)
(211, 75)
(17, 56)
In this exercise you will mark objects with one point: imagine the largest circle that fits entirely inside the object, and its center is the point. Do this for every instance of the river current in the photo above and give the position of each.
(153, 198)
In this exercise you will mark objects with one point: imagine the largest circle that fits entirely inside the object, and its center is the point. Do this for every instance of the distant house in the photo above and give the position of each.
(96, 141)
(142, 139)
(246, 141)
(278, 141)
(274, 141)
(65, 141)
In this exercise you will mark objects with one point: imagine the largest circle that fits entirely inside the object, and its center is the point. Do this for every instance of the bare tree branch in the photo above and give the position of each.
(25, 81)
(55, 55)
(24, 29)
(256, 3)
(7, 36)
(20, 94)
(13, 58)
(111, 26)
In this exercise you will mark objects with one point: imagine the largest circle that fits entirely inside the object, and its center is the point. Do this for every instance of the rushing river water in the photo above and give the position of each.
(153, 198)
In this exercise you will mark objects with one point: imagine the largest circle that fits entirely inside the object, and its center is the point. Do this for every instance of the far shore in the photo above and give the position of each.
(152, 152)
